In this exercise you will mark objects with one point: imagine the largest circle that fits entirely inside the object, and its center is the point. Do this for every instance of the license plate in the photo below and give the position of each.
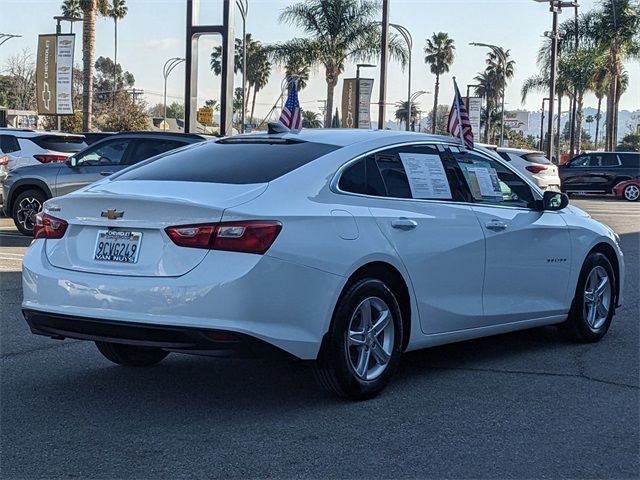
(117, 246)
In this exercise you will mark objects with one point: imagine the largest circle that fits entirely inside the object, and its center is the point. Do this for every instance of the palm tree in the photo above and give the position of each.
(258, 72)
(71, 9)
(402, 110)
(311, 119)
(117, 10)
(337, 31)
(296, 62)
(616, 35)
(440, 52)
(487, 87)
(90, 9)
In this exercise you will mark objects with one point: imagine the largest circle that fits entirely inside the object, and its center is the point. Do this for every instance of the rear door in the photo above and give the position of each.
(94, 163)
(415, 197)
(528, 251)
(605, 169)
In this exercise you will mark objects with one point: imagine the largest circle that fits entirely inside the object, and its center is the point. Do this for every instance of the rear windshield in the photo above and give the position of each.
(60, 144)
(238, 163)
(536, 158)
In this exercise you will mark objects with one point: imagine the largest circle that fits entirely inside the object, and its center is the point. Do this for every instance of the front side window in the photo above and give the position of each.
(582, 161)
(492, 183)
(108, 153)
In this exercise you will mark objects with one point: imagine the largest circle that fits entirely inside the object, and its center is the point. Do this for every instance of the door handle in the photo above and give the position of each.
(404, 223)
(106, 174)
(496, 225)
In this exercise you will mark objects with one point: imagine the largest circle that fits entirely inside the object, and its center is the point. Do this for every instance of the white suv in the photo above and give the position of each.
(27, 147)
(534, 165)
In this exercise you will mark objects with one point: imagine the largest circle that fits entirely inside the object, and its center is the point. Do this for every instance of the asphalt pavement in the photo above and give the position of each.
(522, 405)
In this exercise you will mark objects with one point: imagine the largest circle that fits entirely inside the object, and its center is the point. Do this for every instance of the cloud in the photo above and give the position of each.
(161, 43)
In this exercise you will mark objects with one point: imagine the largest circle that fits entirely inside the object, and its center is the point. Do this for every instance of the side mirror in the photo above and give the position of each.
(72, 162)
(554, 200)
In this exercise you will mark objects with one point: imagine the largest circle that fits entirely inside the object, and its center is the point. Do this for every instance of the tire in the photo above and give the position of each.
(130, 355)
(631, 193)
(27, 204)
(353, 366)
(582, 325)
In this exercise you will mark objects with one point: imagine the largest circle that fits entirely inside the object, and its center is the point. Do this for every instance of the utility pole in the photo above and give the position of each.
(384, 62)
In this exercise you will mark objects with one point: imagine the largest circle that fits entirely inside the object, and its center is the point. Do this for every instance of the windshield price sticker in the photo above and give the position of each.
(117, 246)
(426, 175)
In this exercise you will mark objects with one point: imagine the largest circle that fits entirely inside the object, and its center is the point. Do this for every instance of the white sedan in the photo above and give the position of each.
(345, 248)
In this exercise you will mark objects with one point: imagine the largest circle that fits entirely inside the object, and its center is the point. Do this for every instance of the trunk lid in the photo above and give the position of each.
(154, 206)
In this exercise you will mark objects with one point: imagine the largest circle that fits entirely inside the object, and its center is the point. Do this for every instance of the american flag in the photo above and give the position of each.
(459, 116)
(291, 116)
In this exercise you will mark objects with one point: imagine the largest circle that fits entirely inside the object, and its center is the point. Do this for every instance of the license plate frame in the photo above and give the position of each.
(117, 254)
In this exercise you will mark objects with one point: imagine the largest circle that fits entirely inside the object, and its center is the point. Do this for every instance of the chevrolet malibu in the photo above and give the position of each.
(345, 248)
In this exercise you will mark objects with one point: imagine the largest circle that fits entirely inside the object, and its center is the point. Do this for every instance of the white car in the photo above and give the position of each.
(343, 247)
(533, 165)
(24, 147)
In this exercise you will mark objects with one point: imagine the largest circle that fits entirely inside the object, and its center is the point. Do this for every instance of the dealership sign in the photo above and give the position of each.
(54, 74)
(349, 103)
(474, 107)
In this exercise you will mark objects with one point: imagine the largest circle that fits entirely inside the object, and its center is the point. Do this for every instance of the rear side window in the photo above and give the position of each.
(8, 144)
(630, 159)
(59, 143)
(151, 147)
(603, 160)
(505, 156)
(238, 162)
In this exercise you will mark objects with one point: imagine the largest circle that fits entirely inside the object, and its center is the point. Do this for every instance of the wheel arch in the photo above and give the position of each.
(23, 186)
(388, 273)
(609, 252)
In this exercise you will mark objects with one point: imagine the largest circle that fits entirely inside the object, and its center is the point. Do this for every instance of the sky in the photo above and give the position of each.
(154, 31)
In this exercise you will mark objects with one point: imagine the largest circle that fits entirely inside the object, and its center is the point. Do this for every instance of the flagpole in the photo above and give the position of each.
(457, 101)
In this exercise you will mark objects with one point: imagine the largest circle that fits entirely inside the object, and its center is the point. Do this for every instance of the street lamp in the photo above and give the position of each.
(358, 67)
(411, 101)
(503, 60)
(243, 6)
(4, 37)
(169, 65)
(555, 7)
(409, 41)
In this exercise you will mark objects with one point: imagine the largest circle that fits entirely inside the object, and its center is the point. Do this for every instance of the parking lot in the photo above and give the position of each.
(527, 404)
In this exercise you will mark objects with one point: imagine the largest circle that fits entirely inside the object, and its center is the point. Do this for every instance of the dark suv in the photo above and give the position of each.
(25, 189)
(599, 172)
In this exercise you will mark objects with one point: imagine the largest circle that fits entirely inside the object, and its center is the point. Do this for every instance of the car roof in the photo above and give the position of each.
(341, 137)
(25, 133)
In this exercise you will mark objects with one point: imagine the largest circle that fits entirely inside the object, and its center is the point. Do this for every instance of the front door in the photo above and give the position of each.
(528, 251)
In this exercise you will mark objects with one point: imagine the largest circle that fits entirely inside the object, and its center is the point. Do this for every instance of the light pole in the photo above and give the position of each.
(411, 101)
(499, 52)
(384, 61)
(243, 6)
(169, 65)
(555, 7)
(357, 110)
(409, 41)
(4, 37)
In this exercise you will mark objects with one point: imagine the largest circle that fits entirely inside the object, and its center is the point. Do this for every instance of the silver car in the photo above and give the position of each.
(26, 189)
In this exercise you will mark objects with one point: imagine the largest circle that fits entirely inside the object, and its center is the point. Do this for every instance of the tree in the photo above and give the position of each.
(336, 31)
(117, 10)
(212, 104)
(630, 142)
(311, 119)
(617, 37)
(108, 80)
(90, 8)
(440, 52)
(175, 110)
(72, 9)
(126, 116)
(402, 111)
(441, 116)
(18, 85)
(487, 87)
(297, 63)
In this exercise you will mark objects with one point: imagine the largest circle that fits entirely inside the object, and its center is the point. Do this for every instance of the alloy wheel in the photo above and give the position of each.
(597, 297)
(370, 338)
(27, 209)
(631, 193)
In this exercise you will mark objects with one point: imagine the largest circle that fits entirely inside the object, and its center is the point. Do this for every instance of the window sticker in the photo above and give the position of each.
(426, 175)
(483, 182)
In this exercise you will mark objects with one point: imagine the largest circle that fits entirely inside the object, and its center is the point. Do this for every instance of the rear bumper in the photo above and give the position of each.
(281, 303)
(213, 342)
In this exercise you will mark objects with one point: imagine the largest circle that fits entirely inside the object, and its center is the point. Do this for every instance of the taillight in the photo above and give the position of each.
(4, 161)
(49, 158)
(46, 226)
(536, 168)
(255, 236)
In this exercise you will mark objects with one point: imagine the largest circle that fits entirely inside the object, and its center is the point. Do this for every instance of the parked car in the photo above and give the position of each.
(92, 137)
(28, 147)
(534, 165)
(599, 172)
(340, 247)
(4, 171)
(629, 190)
(26, 189)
